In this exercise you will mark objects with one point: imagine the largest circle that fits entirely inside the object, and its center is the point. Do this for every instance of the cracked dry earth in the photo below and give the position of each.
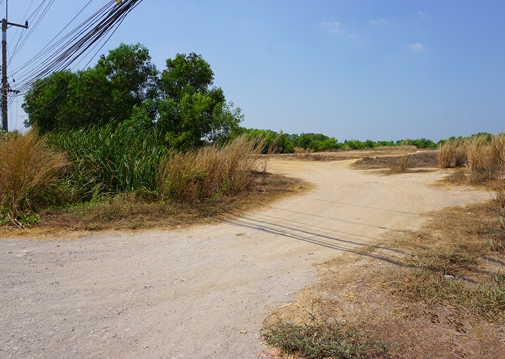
(203, 292)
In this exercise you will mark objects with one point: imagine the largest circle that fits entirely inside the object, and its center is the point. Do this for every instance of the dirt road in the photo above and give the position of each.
(201, 293)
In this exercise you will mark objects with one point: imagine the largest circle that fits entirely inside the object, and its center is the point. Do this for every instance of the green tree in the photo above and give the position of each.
(95, 96)
(193, 112)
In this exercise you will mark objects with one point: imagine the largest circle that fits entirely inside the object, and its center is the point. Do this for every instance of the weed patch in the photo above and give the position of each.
(318, 341)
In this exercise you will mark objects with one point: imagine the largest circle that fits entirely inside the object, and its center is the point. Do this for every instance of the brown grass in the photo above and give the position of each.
(27, 166)
(484, 161)
(211, 171)
(135, 212)
(446, 154)
(498, 149)
(399, 164)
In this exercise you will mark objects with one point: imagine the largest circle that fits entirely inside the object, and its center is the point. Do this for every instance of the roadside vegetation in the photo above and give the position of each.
(123, 144)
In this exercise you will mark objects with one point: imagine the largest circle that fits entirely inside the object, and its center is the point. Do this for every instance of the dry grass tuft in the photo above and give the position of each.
(446, 154)
(401, 164)
(27, 167)
(211, 171)
(484, 159)
(498, 149)
(478, 154)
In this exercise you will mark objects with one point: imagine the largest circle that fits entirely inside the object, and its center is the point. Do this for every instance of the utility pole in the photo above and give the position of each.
(5, 85)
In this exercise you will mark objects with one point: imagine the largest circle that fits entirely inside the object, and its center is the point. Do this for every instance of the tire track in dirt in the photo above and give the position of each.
(201, 293)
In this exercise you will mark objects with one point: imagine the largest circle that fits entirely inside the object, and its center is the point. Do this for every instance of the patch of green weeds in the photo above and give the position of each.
(319, 341)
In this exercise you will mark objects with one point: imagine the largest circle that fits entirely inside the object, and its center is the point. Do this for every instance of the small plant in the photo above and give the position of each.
(320, 341)
(401, 164)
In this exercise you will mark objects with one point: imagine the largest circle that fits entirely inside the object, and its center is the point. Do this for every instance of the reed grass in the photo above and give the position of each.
(27, 167)
(446, 154)
(112, 159)
(498, 149)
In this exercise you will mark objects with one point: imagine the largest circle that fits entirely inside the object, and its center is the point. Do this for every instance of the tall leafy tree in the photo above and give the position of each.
(95, 96)
(181, 102)
(192, 111)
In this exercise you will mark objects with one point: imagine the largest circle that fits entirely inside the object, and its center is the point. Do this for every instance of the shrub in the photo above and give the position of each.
(27, 168)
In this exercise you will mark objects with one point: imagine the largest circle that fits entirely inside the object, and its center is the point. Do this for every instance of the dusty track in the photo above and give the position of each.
(201, 293)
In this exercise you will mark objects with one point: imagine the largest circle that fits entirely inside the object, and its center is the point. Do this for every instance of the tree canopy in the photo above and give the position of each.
(180, 101)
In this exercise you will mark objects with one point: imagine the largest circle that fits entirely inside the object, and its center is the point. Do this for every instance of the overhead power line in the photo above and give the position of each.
(59, 54)
(63, 51)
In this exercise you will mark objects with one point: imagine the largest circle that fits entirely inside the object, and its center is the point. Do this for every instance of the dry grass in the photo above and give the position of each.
(435, 293)
(211, 171)
(484, 161)
(27, 167)
(399, 164)
(498, 149)
(446, 154)
(136, 212)
(299, 150)
(478, 154)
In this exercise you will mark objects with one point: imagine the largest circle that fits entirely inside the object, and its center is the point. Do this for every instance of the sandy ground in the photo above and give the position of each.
(200, 293)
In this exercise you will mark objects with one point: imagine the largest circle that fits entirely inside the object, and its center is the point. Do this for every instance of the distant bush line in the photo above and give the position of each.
(286, 143)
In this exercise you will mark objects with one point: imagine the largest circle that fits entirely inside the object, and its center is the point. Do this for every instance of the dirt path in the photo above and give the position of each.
(201, 293)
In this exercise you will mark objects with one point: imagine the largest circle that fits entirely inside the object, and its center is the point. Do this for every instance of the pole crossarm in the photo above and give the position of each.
(18, 25)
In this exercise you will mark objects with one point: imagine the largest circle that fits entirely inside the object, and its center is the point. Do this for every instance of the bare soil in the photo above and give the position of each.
(202, 292)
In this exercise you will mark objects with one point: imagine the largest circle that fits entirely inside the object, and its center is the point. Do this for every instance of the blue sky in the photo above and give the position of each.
(350, 69)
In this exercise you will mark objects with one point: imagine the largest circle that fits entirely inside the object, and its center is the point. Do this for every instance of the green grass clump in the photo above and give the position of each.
(320, 341)
(112, 159)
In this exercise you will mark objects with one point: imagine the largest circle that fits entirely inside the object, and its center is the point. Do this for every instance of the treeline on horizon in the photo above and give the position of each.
(286, 143)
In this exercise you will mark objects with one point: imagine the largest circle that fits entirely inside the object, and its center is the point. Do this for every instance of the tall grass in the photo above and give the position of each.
(484, 157)
(211, 171)
(446, 154)
(112, 159)
(27, 167)
(498, 149)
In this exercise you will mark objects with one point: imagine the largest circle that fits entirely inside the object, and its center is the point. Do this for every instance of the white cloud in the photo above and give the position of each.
(353, 36)
(416, 47)
(377, 21)
(333, 27)
(421, 13)
(330, 23)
